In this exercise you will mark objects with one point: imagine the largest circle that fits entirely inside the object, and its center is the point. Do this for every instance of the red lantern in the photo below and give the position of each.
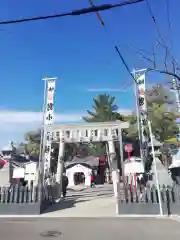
(129, 149)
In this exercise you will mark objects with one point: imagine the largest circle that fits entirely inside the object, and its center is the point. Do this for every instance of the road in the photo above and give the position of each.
(87, 228)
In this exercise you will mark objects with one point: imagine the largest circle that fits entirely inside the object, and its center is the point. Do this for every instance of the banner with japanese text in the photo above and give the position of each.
(142, 109)
(48, 121)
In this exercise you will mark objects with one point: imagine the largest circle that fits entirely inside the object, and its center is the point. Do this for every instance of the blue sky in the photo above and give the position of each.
(77, 51)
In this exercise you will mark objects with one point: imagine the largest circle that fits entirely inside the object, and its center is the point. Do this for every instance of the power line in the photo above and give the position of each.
(76, 12)
(169, 22)
(5, 31)
(140, 53)
(155, 23)
(167, 50)
(168, 14)
(112, 41)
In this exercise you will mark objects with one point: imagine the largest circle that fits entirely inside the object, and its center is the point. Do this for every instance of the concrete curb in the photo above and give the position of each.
(175, 218)
(91, 216)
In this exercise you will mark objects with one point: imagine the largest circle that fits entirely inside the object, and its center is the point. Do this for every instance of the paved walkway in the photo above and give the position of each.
(88, 202)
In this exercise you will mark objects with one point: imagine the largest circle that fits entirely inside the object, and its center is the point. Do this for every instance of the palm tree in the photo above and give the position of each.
(104, 110)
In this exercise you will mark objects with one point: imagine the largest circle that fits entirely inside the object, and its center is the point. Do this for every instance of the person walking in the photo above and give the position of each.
(92, 180)
(142, 186)
(49, 186)
(65, 183)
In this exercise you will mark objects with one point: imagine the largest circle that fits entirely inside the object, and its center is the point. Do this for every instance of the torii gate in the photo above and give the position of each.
(89, 132)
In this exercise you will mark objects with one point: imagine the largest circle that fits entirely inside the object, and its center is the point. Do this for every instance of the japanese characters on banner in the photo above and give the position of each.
(48, 121)
(142, 108)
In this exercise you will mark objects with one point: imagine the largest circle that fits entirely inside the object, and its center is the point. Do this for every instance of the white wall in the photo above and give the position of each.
(4, 176)
(78, 169)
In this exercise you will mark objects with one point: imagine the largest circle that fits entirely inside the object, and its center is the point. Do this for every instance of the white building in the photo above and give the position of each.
(7, 150)
(175, 167)
(5, 176)
(79, 174)
(79, 170)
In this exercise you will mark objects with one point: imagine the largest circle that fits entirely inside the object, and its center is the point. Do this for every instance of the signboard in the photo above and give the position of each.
(31, 168)
(18, 173)
(29, 177)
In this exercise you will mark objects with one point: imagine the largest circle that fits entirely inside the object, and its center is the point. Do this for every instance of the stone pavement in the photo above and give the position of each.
(89, 228)
(87, 202)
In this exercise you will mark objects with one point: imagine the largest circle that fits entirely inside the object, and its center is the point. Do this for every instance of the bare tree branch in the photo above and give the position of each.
(154, 52)
(139, 52)
(164, 72)
(155, 68)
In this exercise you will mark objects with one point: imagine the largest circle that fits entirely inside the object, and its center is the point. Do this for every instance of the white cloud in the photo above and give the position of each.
(106, 90)
(125, 111)
(29, 117)
(13, 124)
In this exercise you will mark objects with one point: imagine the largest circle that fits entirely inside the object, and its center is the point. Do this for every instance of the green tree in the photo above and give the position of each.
(75, 149)
(131, 133)
(32, 144)
(163, 117)
(97, 149)
(162, 114)
(104, 110)
(163, 122)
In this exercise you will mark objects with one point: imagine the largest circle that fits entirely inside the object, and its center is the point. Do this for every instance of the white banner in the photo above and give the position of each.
(48, 121)
(50, 103)
(142, 107)
(141, 92)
